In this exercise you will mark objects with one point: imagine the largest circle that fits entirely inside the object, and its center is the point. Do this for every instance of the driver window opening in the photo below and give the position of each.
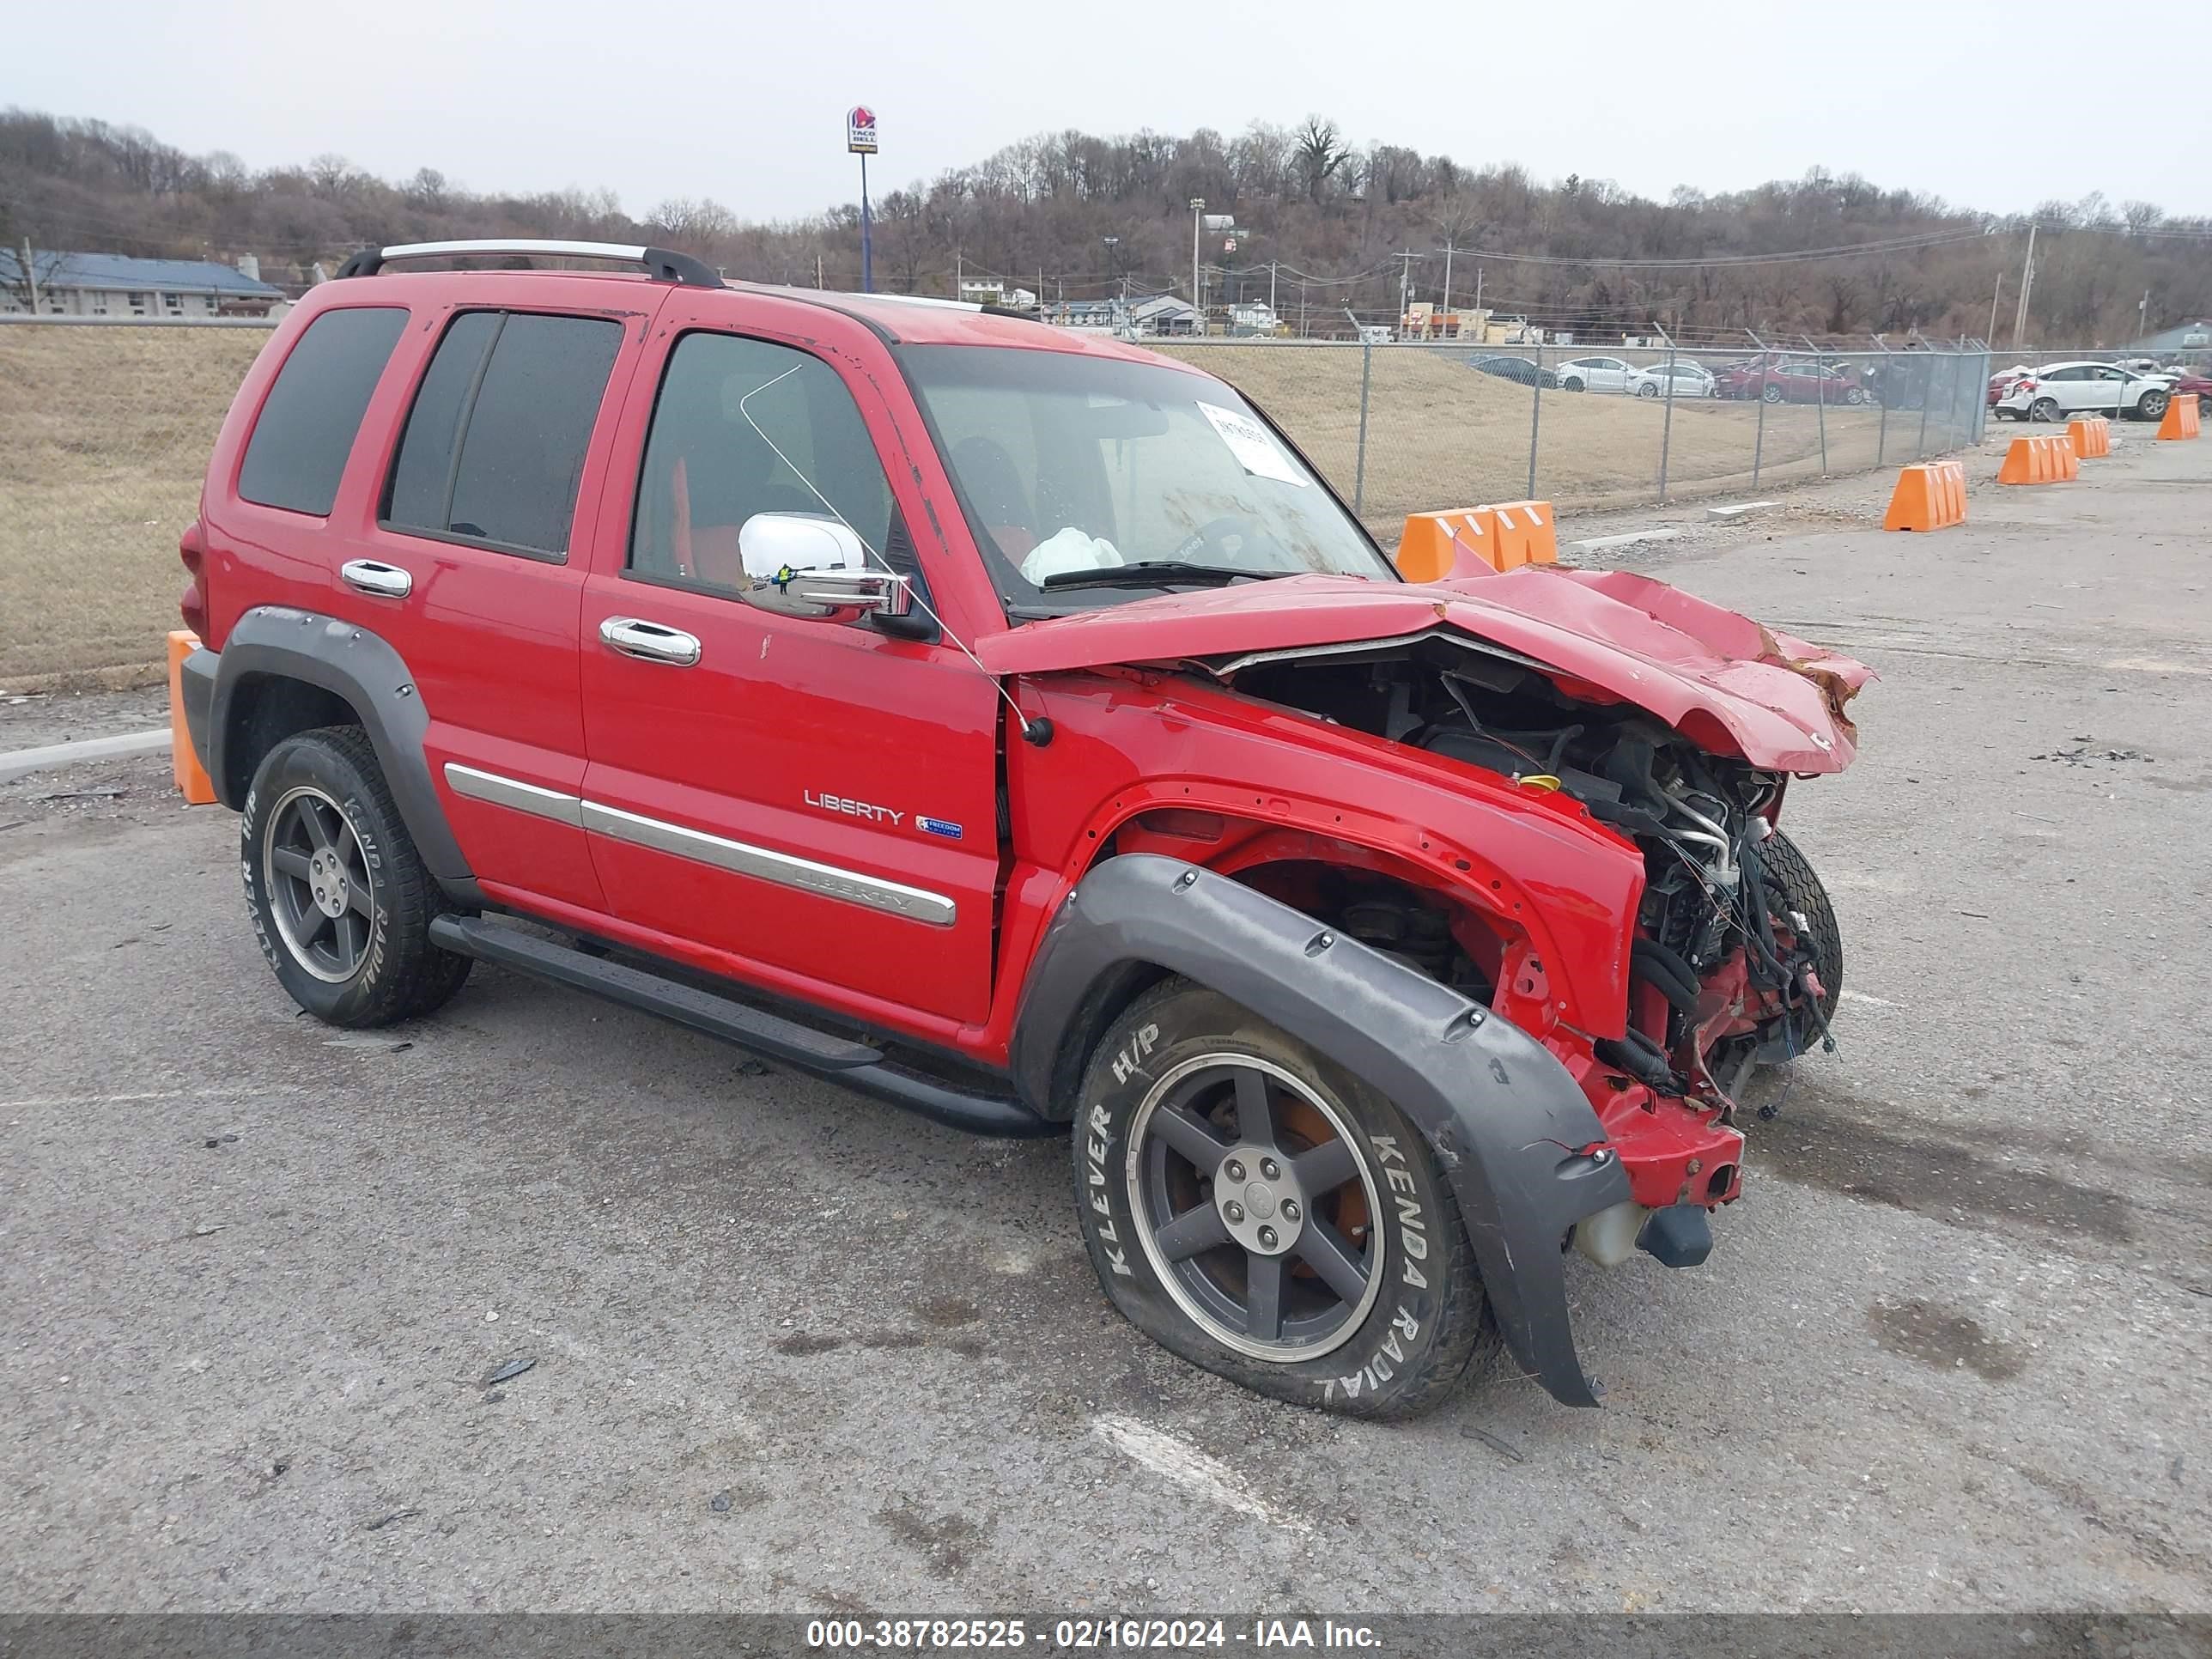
(745, 427)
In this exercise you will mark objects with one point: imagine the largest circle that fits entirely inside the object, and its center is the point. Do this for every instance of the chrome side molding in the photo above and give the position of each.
(740, 857)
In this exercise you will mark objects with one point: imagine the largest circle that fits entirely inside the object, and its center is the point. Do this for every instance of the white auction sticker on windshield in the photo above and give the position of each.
(1252, 444)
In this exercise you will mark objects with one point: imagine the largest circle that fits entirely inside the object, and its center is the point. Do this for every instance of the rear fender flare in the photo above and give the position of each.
(362, 668)
(1504, 1117)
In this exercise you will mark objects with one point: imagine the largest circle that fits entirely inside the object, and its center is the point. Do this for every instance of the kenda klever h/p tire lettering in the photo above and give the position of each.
(1255, 1209)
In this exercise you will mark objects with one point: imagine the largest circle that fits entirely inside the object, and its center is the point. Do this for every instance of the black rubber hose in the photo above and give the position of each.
(1759, 930)
(1664, 971)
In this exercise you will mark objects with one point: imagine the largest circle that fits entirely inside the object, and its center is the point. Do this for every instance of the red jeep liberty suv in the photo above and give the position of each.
(1010, 724)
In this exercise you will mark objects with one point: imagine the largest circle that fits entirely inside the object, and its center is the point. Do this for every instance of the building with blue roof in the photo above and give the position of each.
(113, 286)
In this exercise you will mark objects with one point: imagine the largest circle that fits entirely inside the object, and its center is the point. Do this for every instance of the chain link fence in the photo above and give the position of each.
(1402, 429)
(108, 429)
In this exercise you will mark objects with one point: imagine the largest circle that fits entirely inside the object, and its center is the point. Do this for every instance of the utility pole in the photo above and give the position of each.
(959, 273)
(2027, 282)
(1447, 305)
(2143, 315)
(31, 275)
(1197, 300)
(1405, 288)
(1482, 322)
(1271, 288)
(1994, 293)
(818, 269)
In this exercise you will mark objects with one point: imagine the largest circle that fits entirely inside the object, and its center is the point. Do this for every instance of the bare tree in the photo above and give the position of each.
(1318, 150)
(426, 190)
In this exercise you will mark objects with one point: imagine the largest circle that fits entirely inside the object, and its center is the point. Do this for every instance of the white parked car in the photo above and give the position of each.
(1691, 380)
(2059, 392)
(1595, 375)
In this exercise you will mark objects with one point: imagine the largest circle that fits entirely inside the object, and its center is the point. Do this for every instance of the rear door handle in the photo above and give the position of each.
(650, 642)
(386, 581)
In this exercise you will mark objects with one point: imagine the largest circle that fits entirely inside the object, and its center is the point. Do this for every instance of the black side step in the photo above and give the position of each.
(854, 1065)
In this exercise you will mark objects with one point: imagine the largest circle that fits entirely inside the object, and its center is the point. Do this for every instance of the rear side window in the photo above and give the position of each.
(494, 445)
(309, 421)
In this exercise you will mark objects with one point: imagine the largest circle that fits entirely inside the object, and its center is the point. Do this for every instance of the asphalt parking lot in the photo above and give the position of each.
(794, 1351)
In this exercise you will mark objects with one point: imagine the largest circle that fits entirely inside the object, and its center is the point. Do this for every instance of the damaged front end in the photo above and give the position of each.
(1732, 955)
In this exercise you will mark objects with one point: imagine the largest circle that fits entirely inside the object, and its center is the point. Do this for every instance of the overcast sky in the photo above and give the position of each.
(1993, 105)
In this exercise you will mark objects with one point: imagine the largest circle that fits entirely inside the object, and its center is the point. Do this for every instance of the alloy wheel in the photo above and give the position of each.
(1256, 1206)
(320, 891)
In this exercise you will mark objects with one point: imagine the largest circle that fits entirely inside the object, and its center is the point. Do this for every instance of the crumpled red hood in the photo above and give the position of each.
(1721, 679)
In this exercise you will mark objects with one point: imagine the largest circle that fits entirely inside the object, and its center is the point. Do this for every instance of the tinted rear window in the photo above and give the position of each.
(495, 443)
(309, 421)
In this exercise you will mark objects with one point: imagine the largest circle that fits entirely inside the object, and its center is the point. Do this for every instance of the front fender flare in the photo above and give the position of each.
(1504, 1117)
(341, 657)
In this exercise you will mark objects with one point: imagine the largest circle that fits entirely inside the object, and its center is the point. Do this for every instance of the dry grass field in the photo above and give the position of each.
(104, 433)
(1441, 435)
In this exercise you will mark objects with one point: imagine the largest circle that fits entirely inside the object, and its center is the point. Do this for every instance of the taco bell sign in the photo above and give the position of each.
(860, 131)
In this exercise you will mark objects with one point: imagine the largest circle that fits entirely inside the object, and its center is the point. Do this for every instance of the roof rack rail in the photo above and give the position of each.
(662, 265)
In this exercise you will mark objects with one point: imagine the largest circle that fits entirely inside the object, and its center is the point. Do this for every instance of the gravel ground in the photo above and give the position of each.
(793, 1351)
(32, 721)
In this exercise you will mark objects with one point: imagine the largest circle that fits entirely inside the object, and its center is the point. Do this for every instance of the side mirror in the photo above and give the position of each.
(810, 565)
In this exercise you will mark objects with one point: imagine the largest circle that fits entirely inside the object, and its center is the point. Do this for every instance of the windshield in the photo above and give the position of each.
(1091, 480)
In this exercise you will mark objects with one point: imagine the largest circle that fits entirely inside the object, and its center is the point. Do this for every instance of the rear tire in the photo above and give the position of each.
(338, 894)
(2044, 410)
(1200, 1123)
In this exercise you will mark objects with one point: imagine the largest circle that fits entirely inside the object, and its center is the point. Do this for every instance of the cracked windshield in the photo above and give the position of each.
(1089, 480)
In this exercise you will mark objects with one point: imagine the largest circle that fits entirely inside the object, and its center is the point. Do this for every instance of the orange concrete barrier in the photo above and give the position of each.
(2182, 418)
(2090, 438)
(1469, 541)
(1461, 542)
(1526, 533)
(2039, 460)
(184, 764)
(1930, 496)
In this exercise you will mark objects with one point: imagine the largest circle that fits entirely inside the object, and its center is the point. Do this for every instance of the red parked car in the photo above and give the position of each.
(1011, 725)
(1792, 380)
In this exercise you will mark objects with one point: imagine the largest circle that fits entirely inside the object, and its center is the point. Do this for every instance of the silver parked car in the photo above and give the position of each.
(1691, 380)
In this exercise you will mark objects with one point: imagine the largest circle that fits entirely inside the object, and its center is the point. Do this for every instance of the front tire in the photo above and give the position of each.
(1791, 873)
(1257, 1211)
(338, 894)
(1571, 383)
(2151, 406)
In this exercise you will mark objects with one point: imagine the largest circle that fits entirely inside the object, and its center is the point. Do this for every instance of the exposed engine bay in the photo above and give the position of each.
(1736, 960)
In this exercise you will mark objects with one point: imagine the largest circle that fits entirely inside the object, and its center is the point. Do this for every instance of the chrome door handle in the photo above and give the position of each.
(386, 581)
(649, 642)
